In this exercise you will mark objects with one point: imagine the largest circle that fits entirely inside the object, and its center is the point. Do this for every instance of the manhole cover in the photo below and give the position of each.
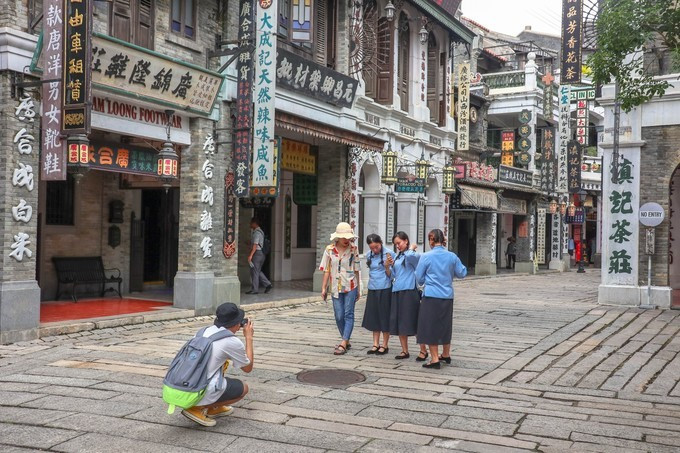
(331, 377)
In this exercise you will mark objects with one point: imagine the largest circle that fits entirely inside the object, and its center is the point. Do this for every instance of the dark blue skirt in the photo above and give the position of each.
(404, 312)
(377, 311)
(435, 321)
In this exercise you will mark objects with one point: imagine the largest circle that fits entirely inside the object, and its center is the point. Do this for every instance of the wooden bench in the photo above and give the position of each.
(84, 270)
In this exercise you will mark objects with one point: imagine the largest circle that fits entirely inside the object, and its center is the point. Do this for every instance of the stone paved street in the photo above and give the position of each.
(537, 365)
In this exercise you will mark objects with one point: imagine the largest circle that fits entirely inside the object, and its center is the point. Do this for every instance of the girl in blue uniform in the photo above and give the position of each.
(436, 270)
(379, 298)
(405, 294)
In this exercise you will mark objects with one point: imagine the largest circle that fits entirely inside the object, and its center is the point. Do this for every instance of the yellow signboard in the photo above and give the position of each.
(297, 157)
(507, 158)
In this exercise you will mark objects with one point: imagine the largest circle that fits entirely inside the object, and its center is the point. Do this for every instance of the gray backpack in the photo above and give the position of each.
(187, 378)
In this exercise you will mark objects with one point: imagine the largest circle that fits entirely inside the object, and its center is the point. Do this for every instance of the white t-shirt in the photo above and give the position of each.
(230, 348)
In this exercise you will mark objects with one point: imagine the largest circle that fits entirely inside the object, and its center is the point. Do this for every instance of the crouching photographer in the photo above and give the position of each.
(206, 357)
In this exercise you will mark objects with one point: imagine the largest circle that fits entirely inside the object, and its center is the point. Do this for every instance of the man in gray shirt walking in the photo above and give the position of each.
(256, 259)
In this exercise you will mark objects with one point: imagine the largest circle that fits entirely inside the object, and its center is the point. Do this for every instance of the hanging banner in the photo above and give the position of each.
(264, 181)
(53, 155)
(390, 202)
(548, 159)
(572, 38)
(421, 221)
(564, 137)
(582, 114)
(76, 70)
(230, 209)
(508, 140)
(288, 231)
(548, 94)
(574, 166)
(464, 106)
(243, 122)
(297, 157)
(540, 236)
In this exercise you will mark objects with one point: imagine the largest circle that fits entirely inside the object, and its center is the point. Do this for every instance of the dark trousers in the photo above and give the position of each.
(511, 261)
(257, 277)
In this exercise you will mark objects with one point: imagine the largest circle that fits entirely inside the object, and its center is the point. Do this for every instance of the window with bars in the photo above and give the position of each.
(183, 18)
(59, 203)
(35, 14)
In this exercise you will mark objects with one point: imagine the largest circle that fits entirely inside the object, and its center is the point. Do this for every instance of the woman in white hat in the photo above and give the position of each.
(340, 267)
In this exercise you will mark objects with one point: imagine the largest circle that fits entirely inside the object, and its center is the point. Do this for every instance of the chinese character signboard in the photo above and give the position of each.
(564, 136)
(549, 163)
(53, 155)
(460, 170)
(582, 113)
(410, 185)
(483, 172)
(548, 93)
(540, 236)
(205, 221)
(122, 159)
(463, 106)
(390, 201)
(77, 82)
(297, 157)
(574, 166)
(572, 33)
(23, 179)
(512, 175)
(122, 68)
(264, 180)
(243, 122)
(230, 209)
(620, 224)
(314, 80)
(507, 140)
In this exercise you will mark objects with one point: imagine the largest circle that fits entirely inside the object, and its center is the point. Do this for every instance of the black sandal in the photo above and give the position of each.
(435, 365)
(445, 359)
(403, 355)
(373, 350)
(422, 359)
(340, 350)
(384, 350)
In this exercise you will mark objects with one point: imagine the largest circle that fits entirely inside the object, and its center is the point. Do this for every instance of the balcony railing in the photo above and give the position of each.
(505, 80)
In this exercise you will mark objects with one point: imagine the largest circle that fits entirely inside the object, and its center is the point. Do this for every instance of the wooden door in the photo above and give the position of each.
(136, 254)
(432, 77)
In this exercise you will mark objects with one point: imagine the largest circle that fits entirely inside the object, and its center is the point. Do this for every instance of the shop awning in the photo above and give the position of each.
(332, 134)
(477, 197)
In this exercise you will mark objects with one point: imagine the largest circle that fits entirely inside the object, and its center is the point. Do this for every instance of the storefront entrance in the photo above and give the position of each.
(160, 219)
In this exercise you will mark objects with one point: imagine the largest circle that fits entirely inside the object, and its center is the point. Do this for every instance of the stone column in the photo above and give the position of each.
(20, 170)
(487, 225)
(331, 177)
(199, 250)
(524, 255)
(407, 215)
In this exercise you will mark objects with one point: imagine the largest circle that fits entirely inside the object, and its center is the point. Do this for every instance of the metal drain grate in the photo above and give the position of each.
(331, 377)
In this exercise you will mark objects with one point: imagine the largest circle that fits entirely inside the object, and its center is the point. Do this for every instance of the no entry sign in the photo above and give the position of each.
(651, 214)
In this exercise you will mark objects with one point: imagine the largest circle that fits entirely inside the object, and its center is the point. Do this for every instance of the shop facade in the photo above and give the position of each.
(151, 93)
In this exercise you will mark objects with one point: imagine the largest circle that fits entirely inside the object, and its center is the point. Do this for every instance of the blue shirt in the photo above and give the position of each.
(377, 278)
(436, 271)
(404, 271)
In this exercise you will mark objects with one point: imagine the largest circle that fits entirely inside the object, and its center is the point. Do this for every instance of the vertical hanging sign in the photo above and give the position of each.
(243, 127)
(540, 236)
(582, 121)
(53, 155)
(264, 181)
(464, 106)
(76, 67)
(574, 166)
(572, 34)
(548, 168)
(564, 137)
(230, 201)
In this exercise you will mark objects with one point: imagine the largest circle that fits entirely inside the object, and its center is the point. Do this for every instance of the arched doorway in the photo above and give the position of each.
(371, 204)
(674, 237)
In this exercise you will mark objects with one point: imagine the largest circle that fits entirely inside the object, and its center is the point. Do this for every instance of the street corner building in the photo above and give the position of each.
(113, 156)
(140, 138)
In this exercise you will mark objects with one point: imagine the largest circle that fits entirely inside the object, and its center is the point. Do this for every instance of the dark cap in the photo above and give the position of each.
(228, 315)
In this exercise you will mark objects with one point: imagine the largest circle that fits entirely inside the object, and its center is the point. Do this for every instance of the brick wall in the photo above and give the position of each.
(331, 175)
(89, 234)
(10, 269)
(661, 158)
